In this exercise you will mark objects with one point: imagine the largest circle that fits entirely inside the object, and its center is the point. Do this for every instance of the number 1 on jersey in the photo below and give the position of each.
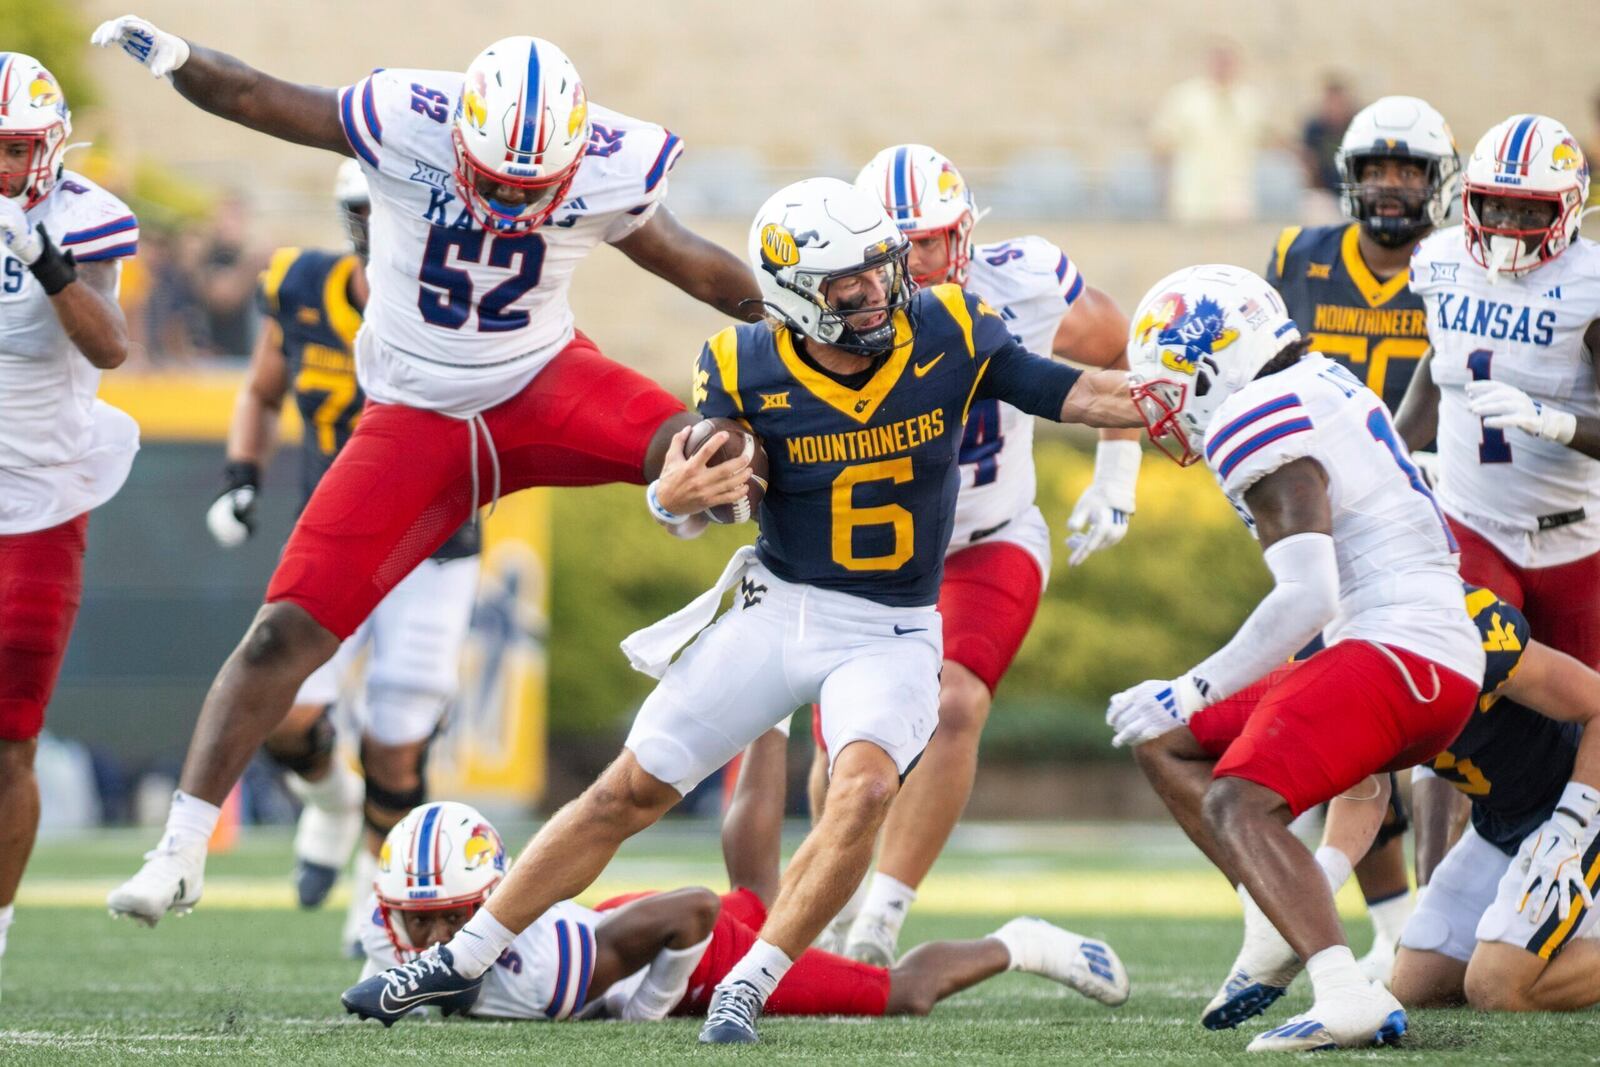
(1493, 447)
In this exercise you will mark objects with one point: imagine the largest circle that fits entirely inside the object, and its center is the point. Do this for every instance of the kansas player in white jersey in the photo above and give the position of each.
(487, 188)
(1360, 554)
(1513, 313)
(62, 452)
(999, 556)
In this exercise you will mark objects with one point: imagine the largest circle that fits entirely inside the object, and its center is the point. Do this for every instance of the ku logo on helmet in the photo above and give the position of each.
(385, 856)
(473, 102)
(1183, 334)
(484, 846)
(778, 246)
(1567, 155)
(950, 184)
(580, 111)
(42, 91)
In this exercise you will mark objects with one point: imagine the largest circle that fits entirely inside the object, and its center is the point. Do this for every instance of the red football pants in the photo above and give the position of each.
(1562, 603)
(404, 481)
(41, 586)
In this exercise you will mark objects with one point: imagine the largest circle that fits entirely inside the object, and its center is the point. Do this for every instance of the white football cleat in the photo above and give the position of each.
(1354, 1017)
(1378, 963)
(1262, 972)
(871, 941)
(170, 880)
(1082, 963)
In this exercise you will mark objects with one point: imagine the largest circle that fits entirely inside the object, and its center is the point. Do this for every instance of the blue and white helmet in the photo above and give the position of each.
(441, 856)
(1526, 157)
(33, 109)
(1200, 335)
(925, 196)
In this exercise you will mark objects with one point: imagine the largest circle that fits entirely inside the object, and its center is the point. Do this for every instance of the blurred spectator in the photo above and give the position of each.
(1320, 137)
(1208, 130)
(173, 322)
(1591, 150)
(227, 280)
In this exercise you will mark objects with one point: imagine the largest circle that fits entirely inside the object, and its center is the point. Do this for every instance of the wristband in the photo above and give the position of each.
(54, 268)
(661, 514)
(1578, 803)
(241, 473)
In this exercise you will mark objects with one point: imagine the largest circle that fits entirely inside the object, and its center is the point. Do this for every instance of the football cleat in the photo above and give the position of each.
(1261, 973)
(170, 880)
(872, 941)
(430, 979)
(731, 1018)
(313, 882)
(1354, 1018)
(327, 831)
(1081, 963)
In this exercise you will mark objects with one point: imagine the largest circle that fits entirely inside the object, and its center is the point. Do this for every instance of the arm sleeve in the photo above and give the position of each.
(1280, 255)
(1505, 636)
(1303, 599)
(716, 377)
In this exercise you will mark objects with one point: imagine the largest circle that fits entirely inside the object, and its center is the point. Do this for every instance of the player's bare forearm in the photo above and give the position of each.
(1418, 417)
(1094, 333)
(1586, 438)
(1560, 687)
(91, 318)
(252, 435)
(303, 114)
(1435, 808)
(1101, 398)
(703, 269)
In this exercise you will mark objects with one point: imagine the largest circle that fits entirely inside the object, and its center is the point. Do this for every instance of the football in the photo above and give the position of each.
(740, 442)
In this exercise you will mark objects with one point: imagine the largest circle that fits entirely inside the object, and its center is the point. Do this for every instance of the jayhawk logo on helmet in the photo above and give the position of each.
(950, 184)
(43, 92)
(1185, 334)
(484, 846)
(580, 111)
(385, 856)
(1566, 155)
(473, 104)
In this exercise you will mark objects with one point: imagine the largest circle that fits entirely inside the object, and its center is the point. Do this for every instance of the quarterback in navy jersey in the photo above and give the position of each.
(859, 389)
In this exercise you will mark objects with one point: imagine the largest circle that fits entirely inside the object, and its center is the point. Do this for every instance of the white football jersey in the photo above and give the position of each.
(1398, 583)
(62, 452)
(1536, 501)
(1031, 283)
(460, 319)
(544, 975)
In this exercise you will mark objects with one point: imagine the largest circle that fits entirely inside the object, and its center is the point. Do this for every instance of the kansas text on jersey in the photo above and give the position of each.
(863, 481)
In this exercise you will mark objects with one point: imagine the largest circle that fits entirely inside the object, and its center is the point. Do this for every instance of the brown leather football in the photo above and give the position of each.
(740, 442)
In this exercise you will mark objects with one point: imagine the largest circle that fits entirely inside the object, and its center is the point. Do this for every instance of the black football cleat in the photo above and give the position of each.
(430, 979)
(731, 1019)
(313, 882)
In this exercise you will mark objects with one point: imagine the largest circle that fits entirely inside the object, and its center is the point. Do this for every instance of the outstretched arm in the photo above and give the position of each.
(1418, 418)
(1101, 398)
(703, 269)
(666, 932)
(222, 85)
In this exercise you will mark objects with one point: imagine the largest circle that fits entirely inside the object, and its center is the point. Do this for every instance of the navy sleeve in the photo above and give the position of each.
(716, 385)
(1027, 382)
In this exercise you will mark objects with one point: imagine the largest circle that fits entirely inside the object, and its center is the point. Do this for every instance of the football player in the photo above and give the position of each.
(1532, 787)
(645, 956)
(312, 302)
(1513, 313)
(859, 388)
(1358, 549)
(999, 558)
(62, 452)
(1346, 285)
(488, 188)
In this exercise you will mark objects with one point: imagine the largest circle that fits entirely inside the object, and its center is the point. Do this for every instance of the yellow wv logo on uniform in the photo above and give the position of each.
(1319, 271)
(769, 401)
(1499, 638)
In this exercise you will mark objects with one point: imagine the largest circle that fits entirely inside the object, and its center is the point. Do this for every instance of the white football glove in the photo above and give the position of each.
(1151, 709)
(1100, 517)
(17, 234)
(232, 516)
(161, 53)
(1552, 857)
(1427, 464)
(1505, 407)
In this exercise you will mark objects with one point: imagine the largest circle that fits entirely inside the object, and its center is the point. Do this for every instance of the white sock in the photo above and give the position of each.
(838, 928)
(190, 823)
(664, 983)
(888, 901)
(1390, 914)
(7, 913)
(763, 967)
(1332, 968)
(479, 943)
(1335, 867)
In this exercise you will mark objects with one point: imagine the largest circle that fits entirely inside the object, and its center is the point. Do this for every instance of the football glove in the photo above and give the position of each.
(1552, 857)
(232, 516)
(1427, 464)
(1505, 407)
(1151, 709)
(17, 234)
(1100, 517)
(159, 52)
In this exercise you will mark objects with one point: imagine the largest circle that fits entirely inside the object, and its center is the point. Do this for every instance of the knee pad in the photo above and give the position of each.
(400, 801)
(316, 746)
(1398, 821)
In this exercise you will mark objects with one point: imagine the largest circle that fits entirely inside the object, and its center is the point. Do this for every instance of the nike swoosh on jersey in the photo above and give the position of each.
(921, 369)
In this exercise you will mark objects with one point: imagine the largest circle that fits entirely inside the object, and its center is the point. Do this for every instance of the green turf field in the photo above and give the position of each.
(246, 979)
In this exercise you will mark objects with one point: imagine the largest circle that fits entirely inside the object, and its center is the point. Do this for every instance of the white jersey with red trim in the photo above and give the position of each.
(1032, 284)
(1398, 582)
(1536, 501)
(461, 319)
(544, 976)
(62, 452)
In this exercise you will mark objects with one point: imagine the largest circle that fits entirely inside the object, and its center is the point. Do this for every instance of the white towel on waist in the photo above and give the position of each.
(651, 649)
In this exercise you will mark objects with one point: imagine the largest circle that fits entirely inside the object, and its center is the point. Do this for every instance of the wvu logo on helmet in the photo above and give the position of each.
(778, 247)
(484, 846)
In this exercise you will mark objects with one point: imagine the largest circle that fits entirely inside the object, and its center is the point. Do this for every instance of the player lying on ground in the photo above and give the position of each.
(1308, 457)
(478, 383)
(62, 452)
(858, 389)
(999, 556)
(648, 955)
(1512, 897)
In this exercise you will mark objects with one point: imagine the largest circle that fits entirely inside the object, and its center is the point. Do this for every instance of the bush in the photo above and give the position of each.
(1171, 593)
(55, 36)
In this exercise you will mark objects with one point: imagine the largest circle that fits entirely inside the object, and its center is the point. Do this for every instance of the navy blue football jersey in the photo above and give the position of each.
(862, 484)
(307, 295)
(1509, 760)
(1378, 329)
